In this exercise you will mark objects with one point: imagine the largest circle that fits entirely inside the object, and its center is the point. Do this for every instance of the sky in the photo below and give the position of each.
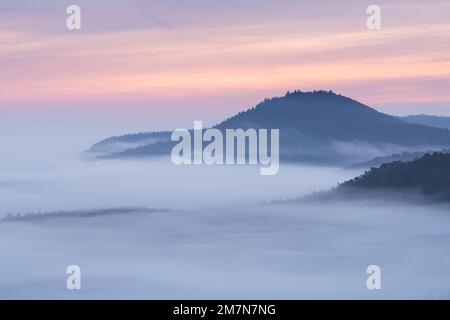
(172, 61)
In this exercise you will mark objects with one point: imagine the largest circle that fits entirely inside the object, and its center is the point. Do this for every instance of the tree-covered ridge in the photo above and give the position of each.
(136, 137)
(429, 174)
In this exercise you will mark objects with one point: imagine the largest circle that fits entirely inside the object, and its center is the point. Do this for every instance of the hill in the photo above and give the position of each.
(428, 175)
(128, 141)
(318, 126)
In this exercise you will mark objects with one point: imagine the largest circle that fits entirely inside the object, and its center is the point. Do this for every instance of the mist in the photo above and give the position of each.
(216, 240)
(259, 252)
(47, 170)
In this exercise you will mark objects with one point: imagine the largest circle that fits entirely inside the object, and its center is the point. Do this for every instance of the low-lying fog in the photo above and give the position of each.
(47, 175)
(283, 251)
(216, 243)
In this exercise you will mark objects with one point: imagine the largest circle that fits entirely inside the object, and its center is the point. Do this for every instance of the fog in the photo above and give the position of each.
(48, 171)
(217, 241)
(283, 251)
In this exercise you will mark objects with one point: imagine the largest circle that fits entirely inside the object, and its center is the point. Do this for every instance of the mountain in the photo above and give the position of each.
(426, 120)
(318, 126)
(428, 175)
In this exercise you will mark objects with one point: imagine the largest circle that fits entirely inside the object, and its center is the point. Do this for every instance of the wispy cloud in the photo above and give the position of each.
(150, 50)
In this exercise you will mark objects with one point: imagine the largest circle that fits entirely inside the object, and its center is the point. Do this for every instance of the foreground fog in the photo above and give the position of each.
(216, 242)
(283, 251)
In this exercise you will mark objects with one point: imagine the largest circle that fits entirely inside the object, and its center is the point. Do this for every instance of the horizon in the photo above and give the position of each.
(84, 130)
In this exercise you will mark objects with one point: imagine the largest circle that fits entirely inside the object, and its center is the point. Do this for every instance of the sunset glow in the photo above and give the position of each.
(169, 55)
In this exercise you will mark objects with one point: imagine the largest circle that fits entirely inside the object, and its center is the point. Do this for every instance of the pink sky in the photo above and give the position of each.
(199, 56)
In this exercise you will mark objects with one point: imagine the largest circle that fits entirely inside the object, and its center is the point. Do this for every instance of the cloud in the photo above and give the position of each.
(151, 51)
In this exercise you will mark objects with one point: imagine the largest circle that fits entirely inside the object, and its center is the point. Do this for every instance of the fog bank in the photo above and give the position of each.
(257, 252)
